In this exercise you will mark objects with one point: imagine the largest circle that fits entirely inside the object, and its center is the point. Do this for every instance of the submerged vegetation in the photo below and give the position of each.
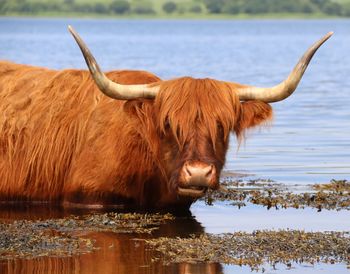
(257, 248)
(189, 8)
(334, 195)
(60, 237)
(26, 239)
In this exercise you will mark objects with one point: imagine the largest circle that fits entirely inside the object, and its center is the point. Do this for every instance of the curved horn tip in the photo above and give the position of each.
(328, 35)
(288, 86)
(72, 30)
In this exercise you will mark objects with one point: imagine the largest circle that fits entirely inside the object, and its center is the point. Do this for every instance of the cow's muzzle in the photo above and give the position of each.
(196, 178)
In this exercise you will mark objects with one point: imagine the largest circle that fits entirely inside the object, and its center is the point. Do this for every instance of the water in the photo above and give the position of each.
(308, 141)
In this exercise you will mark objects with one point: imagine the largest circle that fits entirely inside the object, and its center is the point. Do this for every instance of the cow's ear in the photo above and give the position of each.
(253, 113)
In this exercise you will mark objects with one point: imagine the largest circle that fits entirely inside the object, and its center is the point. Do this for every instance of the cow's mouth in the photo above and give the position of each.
(195, 192)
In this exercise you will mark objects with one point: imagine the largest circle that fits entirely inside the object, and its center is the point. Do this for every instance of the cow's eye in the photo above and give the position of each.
(167, 124)
(220, 129)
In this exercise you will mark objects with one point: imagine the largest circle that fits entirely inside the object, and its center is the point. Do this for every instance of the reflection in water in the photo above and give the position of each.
(94, 266)
(209, 268)
(116, 253)
(32, 211)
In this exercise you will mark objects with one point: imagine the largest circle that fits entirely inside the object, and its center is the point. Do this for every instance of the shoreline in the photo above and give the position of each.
(175, 17)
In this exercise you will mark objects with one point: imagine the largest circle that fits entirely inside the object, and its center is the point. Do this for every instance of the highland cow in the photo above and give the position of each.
(124, 137)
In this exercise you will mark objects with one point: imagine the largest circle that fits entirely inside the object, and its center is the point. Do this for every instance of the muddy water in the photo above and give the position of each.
(308, 141)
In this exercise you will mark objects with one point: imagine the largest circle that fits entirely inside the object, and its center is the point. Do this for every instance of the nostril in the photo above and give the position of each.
(210, 171)
(188, 170)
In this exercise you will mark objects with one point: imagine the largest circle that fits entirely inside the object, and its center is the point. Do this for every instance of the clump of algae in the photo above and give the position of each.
(332, 196)
(58, 237)
(257, 248)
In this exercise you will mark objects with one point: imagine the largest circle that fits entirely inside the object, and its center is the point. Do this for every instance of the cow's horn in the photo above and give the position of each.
(288, 86)
(108, 87)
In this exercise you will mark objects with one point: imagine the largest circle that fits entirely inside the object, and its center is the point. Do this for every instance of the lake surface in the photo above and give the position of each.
(308, 141)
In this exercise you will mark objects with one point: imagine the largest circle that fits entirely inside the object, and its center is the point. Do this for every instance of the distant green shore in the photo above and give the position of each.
(177, 9)
(189, 16)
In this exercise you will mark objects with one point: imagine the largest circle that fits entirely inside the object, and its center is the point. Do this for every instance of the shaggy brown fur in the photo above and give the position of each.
(62, 140)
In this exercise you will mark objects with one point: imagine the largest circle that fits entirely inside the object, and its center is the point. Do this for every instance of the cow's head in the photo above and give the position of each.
(194, 117)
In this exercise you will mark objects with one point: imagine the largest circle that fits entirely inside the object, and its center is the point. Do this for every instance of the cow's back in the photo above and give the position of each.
(45, 117)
